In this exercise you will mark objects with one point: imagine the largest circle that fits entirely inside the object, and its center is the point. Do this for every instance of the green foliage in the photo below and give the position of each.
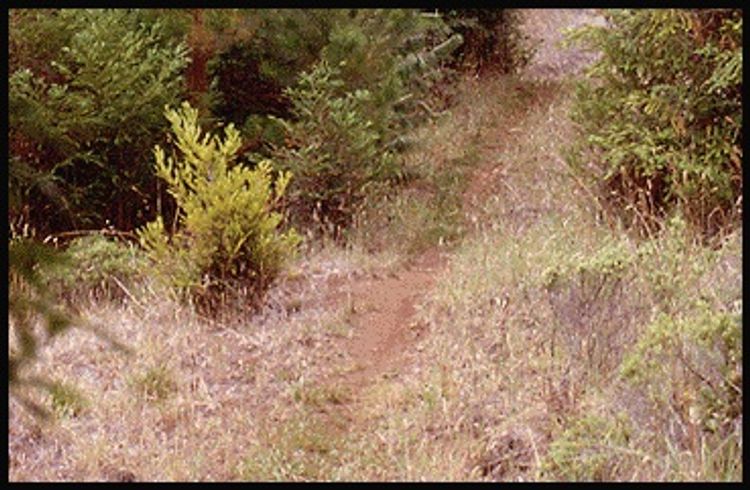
(101, 266)
(393, 54)
(692, 363)
(334, 152)
(371, 48)
(84, 117)
(591, 449)
(673, 264)
(252, 71)
(592, 270)
(348, 83)
(661, 116)
(227, 230)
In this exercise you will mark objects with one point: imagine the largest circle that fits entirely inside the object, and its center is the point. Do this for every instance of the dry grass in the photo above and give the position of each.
(194, 396)
(520, 380)
(517, 375)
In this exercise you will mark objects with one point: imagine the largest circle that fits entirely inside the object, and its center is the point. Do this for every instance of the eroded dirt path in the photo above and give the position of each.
(383, 310)
(383, 306)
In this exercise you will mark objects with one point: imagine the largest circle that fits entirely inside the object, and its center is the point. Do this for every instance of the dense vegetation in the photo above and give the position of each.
(662, 120)
(190, 157)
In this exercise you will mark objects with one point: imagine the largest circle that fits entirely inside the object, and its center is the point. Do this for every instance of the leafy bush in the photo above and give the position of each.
(591, 449)
(101, 267)
(227, 230)
(661, 116)
(692, 364)
(395, 54)
(333, 150)
(85, 113)
(673, 265)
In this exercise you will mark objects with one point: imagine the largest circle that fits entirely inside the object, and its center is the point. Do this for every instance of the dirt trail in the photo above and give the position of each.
(383, 308)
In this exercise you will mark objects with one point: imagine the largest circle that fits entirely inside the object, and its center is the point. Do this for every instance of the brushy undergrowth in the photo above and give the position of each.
(333, 150)
(101, 269)
(228, 234)
(661, 116)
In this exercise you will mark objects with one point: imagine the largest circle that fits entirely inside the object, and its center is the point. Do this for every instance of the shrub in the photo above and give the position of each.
(691, 364)
(673, 264)
(333, 150)
(227, 232)
(84, 113)
(252, 72)
(595, 306)
(661, 116)
(101, 267)
(394, 54)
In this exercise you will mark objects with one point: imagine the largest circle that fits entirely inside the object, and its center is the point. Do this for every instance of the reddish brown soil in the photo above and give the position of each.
(383, 307)
(383, 310)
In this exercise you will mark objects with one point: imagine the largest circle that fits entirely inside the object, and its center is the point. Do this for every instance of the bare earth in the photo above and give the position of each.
(383, 307)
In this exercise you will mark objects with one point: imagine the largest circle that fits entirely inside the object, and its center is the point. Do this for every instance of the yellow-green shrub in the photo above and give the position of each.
(228, 228)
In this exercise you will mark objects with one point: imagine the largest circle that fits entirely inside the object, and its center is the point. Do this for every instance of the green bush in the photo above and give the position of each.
(673, 264)
(395, 54)
(227, 233)
(333, 150)
(692, 364)
(84, 113)
(661, 116)
(101, 267)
